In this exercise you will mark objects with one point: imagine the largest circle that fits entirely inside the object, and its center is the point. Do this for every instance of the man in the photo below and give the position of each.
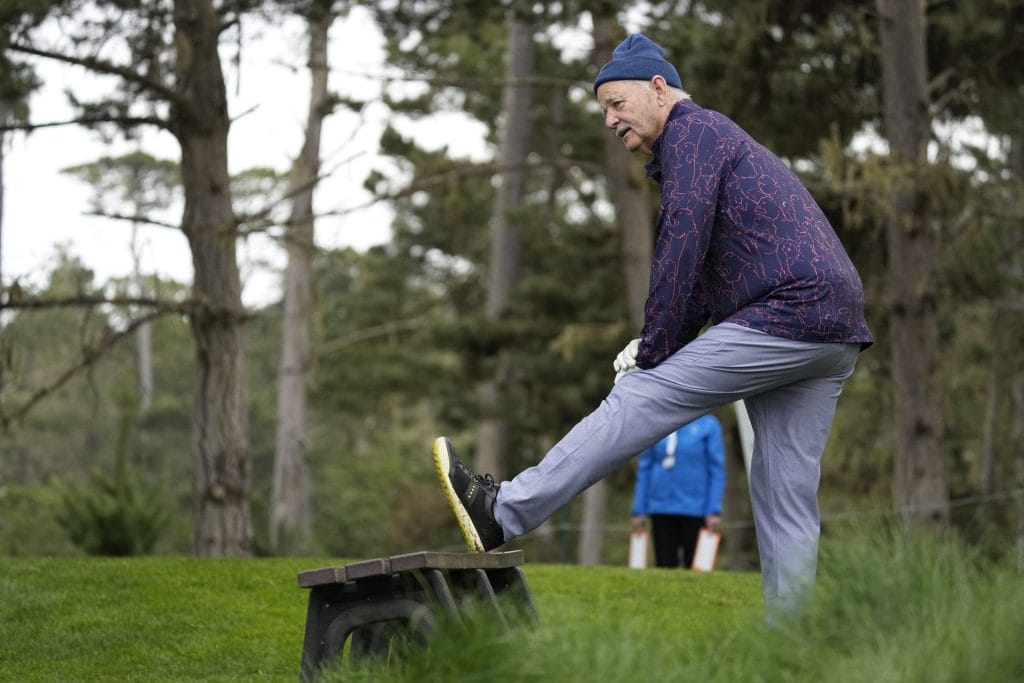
(679, 485)
(740, 242)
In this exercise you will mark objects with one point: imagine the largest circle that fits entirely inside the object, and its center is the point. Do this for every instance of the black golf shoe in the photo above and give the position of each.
(471, 497)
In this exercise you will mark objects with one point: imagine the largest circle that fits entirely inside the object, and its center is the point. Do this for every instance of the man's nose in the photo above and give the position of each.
(611, 120)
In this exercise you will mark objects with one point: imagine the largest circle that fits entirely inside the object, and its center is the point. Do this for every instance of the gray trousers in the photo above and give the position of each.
(790, 389)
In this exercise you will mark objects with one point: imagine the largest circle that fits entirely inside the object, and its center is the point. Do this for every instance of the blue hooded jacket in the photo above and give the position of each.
(689, 481)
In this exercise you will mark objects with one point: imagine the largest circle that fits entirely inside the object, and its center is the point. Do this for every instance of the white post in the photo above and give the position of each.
(746, 433)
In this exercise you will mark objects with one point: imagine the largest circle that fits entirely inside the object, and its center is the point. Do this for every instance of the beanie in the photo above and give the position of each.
(638, 58)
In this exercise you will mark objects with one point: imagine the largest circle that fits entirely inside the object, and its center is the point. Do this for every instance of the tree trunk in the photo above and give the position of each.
(1017, 431)
(632, 209)
(989, 422)
(737, 540)
(492, 446)
(630, 191)
(921, 487)
(291, 506)
(144, 334)
(591, 541)
(3, 150)
(199, 120)
(144, 365)
(1017, 377)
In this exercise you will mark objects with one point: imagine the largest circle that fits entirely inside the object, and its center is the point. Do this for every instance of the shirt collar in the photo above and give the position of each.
(679, 109)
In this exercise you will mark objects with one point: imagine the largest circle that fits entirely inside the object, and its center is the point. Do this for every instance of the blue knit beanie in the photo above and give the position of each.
(638, 58)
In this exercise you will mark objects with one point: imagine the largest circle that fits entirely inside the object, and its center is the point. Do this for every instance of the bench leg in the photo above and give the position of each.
(374, 628)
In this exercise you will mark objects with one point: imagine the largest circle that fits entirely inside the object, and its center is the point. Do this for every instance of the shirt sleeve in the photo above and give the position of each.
(695, 159)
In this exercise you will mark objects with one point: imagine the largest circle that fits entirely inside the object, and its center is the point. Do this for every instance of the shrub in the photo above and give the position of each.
(115, 514)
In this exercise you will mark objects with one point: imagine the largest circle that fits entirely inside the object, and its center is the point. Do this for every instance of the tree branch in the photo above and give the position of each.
(104, 67)
(89, 120)
(15, 302)
(143, 220)
(12, 298)
(465, 81)
(91, 354)
(366, 334)
(89, 357)
(456, 173)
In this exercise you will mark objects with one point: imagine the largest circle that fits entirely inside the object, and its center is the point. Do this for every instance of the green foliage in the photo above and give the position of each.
(139, 33)
(116, 514)
(401, 334)
(788, 72)
(112, 517)
(28, 521)
(81, 417)
(37, 348)
(456, 44)
(258, 195)
(974, 48)
(889, 607)
(189, 619)
(897, 606)
(566, 314)
(134, 184)
(16, 84)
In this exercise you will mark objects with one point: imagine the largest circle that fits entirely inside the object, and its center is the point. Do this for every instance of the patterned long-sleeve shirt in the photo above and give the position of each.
(740, 240)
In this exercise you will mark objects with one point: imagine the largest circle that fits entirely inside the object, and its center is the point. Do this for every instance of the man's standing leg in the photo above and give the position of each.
(791, 425)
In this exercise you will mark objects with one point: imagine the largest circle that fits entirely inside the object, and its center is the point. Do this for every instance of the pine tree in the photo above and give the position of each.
(170, 76)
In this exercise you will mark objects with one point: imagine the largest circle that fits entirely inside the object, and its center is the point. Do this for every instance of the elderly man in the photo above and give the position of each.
(740, 243)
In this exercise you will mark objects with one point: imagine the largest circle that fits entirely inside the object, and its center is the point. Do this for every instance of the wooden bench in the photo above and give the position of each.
(384, 601)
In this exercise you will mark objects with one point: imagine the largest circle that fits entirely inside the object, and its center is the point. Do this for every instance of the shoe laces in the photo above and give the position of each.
(485, 479)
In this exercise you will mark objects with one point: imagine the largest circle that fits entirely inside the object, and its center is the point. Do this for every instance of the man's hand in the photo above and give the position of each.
(639, 522)
(712, 522)
(625, 362)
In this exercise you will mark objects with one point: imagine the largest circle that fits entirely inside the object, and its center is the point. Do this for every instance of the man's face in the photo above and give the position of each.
(632, 110)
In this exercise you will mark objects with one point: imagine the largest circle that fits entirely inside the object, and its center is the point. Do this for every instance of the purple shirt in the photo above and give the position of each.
(740, 240)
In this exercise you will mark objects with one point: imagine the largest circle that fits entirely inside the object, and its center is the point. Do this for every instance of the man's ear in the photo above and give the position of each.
(660, 86)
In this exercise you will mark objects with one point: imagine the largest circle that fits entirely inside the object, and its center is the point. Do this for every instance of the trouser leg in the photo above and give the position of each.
(689, 529)
(667, 532)
(791, 425)
(642, 408)
(725, 364)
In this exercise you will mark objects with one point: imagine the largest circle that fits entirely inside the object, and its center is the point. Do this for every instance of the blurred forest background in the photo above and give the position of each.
(147, 416)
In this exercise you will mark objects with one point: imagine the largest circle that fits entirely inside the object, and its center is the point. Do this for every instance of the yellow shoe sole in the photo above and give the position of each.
(442, 463)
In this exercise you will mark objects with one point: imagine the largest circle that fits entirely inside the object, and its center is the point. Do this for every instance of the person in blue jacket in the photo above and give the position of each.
(679, 485)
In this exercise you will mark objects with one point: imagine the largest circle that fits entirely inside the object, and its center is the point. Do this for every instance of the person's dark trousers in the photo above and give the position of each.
(672, 534)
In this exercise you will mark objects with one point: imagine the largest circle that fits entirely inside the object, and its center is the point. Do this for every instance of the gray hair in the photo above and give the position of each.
(678, 94)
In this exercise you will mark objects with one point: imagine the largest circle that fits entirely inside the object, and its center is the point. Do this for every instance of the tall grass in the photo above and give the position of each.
(889, 606)
(897, 606)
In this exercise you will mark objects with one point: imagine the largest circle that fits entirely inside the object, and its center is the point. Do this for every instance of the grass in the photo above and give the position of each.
(888, 608)
(149, 619)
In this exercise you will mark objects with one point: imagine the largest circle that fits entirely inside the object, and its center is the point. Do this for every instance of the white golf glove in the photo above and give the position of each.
(625, 362)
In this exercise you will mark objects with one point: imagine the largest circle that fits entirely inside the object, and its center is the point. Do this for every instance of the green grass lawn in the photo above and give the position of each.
(887, 608)
(150, 619)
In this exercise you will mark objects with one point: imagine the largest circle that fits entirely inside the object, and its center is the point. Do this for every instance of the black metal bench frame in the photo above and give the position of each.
(380, 602)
